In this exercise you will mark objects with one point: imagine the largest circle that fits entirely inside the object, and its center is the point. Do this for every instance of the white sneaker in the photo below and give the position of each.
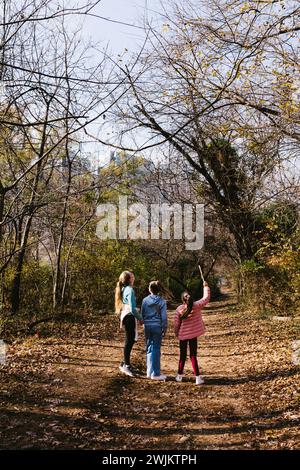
(178, 378)
(159, 377)
(199, 380)
(126, 370)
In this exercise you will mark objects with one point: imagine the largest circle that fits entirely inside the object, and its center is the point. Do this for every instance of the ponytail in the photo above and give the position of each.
(189, 307)
(124, 280)
(118, 297)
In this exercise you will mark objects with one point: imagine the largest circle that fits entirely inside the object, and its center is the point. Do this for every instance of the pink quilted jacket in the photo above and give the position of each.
(193, 325)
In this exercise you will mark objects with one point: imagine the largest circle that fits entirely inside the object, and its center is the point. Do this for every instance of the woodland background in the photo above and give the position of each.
(207, 111)
(214, 93)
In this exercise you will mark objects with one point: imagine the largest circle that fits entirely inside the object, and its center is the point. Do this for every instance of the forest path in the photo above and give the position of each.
(66, 391)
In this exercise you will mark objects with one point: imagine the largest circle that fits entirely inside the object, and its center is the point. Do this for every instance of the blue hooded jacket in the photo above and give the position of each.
(154, 311)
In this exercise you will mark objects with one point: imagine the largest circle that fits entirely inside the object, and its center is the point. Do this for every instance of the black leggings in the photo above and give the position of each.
(193, 355)
(129, 325)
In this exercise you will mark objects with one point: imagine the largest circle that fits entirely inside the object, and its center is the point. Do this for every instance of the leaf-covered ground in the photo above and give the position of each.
(66, 391)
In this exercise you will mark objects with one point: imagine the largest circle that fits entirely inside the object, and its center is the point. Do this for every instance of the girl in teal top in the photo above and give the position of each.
(128, 298)
(125, 304)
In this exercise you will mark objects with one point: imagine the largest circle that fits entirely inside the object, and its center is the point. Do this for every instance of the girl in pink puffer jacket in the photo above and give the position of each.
(188, 325)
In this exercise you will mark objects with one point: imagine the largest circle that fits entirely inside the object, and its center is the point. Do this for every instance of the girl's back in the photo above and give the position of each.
(193, 325)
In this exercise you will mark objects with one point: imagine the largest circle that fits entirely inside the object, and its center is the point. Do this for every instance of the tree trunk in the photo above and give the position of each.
(15, 293)
(2, 198)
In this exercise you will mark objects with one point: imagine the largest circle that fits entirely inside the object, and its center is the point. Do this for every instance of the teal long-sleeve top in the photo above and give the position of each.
(128, 297)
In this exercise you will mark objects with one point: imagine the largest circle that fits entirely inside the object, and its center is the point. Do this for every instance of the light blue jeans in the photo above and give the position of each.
(153, 342)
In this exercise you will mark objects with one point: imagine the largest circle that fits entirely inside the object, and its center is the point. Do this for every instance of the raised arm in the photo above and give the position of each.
(206, 296)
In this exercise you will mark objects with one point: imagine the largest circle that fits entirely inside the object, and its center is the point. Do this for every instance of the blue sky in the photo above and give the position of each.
(120, 36)
(117, 37)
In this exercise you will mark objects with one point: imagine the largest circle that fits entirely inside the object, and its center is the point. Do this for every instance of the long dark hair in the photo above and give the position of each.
(189, 305)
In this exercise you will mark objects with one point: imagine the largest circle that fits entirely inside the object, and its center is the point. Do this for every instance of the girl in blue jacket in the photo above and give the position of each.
(154, 313)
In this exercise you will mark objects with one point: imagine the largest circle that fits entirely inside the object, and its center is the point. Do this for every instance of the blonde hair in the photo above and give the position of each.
(124, 280)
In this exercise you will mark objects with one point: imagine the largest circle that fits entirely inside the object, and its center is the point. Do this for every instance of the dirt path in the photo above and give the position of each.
(66, 391)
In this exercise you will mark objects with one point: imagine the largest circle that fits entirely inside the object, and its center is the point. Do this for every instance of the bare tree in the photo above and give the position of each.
(50, 94)
(215, 84)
